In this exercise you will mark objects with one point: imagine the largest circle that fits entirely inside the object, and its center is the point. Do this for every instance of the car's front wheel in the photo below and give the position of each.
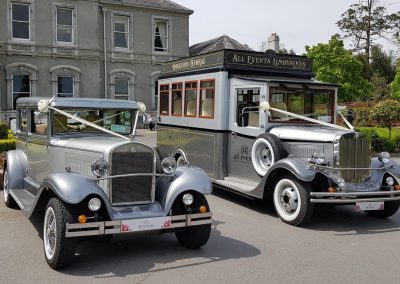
(292, 200)
(192, 237)
(390, 208)
(8, 199)
(58, 249)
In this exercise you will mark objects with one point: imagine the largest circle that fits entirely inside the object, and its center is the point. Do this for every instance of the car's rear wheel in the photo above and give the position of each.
(390, 208)
(58, 250)
(192, 237)
(8, 199)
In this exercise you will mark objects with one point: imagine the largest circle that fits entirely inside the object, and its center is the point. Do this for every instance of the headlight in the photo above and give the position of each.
(384, 157)
(389, 181)
(187, 199)
(318, 158)
(100, 168)
(341, 183)
(94, 204)
(168, 165)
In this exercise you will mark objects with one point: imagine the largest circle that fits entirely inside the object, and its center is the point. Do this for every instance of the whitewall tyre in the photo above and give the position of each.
(292, 200)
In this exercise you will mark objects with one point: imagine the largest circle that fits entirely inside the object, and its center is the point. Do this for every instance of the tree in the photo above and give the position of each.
(333, 63)
(387, 114)
(395, 84)
(367, 21)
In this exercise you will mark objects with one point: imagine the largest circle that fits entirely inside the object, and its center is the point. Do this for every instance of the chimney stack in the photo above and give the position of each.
(273, 42)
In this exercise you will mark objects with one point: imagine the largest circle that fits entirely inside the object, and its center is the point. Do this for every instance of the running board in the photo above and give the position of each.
(238, 184)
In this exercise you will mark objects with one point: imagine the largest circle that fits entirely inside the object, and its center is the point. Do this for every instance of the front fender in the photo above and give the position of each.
(185, 178)
(17, 165)
(297, 167)
(72, 188)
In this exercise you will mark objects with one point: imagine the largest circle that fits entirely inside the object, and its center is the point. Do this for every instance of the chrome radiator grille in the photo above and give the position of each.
(354, 152)
(129, 159)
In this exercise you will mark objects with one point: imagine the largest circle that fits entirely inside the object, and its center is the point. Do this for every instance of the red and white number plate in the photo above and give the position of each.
(137, 225)
(375, 205)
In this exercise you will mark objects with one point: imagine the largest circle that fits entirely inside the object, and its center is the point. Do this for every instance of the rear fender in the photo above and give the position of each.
(17, 165)
(185, 178)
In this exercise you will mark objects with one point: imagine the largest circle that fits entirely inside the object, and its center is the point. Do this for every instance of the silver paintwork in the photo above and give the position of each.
(62, 164)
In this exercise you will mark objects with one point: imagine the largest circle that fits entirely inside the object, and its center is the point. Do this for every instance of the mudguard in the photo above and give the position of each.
(297, 167)
(72, 188)
(17, 165)
(185, 178)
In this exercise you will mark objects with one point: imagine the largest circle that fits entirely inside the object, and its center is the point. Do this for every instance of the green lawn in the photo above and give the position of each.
(384, 132)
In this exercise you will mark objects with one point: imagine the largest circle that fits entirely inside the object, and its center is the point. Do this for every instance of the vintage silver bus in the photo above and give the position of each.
(211, 115)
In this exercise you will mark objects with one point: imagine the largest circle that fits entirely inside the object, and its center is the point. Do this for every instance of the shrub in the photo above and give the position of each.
(362, 116)
(3, 130)
(384, 144)
(386, 114)
(7, 144)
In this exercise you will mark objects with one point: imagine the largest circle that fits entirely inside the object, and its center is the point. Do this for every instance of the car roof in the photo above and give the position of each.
(78, 103)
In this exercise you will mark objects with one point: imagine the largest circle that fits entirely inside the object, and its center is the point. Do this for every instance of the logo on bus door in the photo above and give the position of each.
(244, 155)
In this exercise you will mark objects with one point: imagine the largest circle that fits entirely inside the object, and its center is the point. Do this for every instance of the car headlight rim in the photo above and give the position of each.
(389, 181)
(94, 204)
(168, 165)
(100, 167)
(187, 199)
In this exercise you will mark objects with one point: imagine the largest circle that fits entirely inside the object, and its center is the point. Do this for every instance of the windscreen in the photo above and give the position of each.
(119, 121)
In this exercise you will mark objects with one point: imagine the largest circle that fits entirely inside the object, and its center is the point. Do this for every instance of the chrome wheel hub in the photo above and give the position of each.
(288, 199)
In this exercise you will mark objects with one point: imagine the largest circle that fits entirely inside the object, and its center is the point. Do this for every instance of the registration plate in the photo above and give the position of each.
(373, 205)
(147, 224)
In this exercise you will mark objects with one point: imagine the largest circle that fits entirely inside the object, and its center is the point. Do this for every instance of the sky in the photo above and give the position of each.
(297, 22)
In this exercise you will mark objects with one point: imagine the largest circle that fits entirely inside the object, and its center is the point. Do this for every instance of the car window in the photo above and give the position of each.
(39, 123)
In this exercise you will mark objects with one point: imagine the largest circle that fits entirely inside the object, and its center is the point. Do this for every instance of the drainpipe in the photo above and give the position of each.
(104, 11)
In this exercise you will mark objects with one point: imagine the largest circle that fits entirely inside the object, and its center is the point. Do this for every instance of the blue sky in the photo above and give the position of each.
(297, 22)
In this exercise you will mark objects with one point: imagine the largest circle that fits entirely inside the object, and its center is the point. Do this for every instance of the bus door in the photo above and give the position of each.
(246, 124)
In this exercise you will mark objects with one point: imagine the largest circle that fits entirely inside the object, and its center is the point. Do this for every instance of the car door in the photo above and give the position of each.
(246, 125)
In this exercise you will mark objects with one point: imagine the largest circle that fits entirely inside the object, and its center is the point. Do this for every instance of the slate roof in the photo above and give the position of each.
(215, 44)
(157, 4)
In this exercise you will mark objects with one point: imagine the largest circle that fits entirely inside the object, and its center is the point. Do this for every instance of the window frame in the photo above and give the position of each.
(163, 93)
(128, 23)
(201, 101)
(12, 3)
(172, 97)
(165, 50)
(73, 25)
(12, 87)
(73, 85)
(127, 85)
(196, 99)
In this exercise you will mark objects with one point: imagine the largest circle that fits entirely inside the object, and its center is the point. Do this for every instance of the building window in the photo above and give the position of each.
(177, 99)
(65, 86)
(161, 35)
(164, 100)
(121, 32)
(65, 25)
(21, 21)
(121, 89)
(207, 93)
(21, 87)
(190, 99)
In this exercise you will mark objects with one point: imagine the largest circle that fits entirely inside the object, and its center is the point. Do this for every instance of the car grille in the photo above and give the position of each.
(354, 152)
(132, 159)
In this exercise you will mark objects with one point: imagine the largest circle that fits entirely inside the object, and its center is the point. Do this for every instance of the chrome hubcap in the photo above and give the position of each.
(49, 234)
(288, 199)
(264, 155)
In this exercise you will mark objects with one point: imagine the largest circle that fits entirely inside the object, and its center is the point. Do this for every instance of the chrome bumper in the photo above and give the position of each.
(353, 197)
(137, 225)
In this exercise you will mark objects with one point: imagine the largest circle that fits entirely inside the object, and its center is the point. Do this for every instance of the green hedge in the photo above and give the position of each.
(7, 144)
(380, 143)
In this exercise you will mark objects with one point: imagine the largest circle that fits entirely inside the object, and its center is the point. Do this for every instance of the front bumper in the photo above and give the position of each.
(137, 225)
(353, 197)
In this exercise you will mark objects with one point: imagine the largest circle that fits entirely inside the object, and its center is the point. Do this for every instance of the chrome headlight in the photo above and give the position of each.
(318, 158)
(187, 199)
(100, 168)
(384, 157)
(341, 183)
(389, 181)
(168, 165)
(94, 204)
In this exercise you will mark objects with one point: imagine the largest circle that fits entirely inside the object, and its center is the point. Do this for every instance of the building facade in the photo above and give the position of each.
(87, 48)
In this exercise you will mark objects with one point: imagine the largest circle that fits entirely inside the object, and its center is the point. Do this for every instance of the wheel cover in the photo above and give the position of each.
(287, 199)
(5, 186)
(262, 156)
(50, 233)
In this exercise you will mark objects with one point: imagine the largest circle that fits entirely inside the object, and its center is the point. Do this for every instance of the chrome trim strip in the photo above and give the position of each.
(347, 201)
(114, 227)
(130, 175)
(350, 194)
(356, 169)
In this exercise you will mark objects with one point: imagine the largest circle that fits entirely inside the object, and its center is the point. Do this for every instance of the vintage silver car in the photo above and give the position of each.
(77, 162)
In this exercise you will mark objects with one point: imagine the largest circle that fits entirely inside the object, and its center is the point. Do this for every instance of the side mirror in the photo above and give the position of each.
(13, 126)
